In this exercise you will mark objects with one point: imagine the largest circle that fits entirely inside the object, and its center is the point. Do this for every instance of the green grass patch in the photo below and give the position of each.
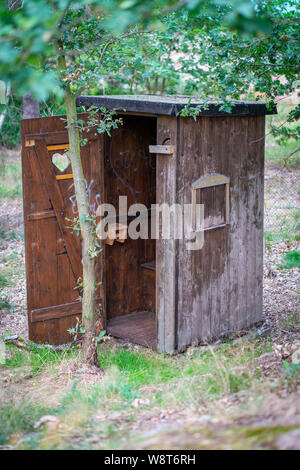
(291, 259)
(280, 153)
(12, 235)
(213, 367)
(183, 380)
(291, 376)
(5, 304)
(18, 417)
(11, 258)
(11, 192)
(114, 392)
(290, 322)
(140, 369)
(289, 235)
(285, 225)
(5, 281)
(11, 177)
(36, 359)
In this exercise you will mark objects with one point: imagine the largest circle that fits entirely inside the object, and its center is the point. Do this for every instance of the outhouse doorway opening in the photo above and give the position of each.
(130, 264)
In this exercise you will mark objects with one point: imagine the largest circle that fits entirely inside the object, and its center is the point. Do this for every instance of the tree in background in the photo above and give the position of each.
(204, 56)
(58, 47)
(262, 68)
(30, 106)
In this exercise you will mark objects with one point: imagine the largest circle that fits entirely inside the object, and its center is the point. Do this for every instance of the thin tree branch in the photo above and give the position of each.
(269, 133)
(114, 40)
(60, 21)
(275, 65)
(290, 155)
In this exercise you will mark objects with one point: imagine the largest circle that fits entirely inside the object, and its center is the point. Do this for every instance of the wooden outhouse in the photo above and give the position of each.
(153, 292)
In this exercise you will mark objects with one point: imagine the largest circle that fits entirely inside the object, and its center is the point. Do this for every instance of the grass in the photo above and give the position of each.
(35, 360)
(10, 174)
(291, 374)
(279, 153)
(290, 260)
(100, 413)
(11, 192)
(144, 368)
(288, 235)
(290, 322)
(5, 281)
(11, 258)
(19, 417)
(138, 369)
(130, 375)
(12, 235)
(5, 305)
(289, 229)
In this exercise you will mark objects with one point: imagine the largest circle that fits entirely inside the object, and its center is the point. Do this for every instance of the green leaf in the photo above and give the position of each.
(101, 334)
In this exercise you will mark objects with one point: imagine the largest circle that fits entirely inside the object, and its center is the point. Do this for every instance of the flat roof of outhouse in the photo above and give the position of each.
(171, 105)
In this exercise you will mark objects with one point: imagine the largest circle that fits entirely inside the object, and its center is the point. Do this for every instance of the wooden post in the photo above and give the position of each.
(165, 249)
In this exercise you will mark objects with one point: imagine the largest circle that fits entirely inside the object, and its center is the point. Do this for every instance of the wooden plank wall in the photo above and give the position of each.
(51, 266)
(220, 286)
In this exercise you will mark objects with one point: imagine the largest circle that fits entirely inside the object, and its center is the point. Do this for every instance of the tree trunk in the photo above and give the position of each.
(89, 347)
(6, 98)
(30, 107)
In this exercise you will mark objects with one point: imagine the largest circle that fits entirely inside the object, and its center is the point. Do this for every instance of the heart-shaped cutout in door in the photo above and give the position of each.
(61, 161)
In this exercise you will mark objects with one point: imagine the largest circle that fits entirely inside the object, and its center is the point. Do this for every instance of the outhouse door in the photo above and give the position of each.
(53, 251)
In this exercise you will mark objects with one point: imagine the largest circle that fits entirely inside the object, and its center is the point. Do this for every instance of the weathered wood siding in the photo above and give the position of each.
(219, 287)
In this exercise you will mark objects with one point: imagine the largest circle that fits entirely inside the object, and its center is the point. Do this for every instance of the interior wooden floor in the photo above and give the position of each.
(136, 327)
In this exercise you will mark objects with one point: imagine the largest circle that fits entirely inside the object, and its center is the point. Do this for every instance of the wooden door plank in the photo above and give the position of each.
(41, 215)
(57, 311)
